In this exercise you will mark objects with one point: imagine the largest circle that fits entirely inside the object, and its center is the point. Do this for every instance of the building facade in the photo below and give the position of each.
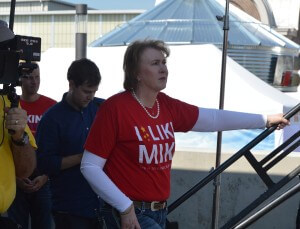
(281, 15)
(54, 21)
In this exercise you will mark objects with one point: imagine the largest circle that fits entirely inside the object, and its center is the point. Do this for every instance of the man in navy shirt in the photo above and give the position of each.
(60, 136)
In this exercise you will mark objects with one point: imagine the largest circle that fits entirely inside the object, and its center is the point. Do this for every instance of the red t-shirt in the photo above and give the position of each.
(139, 149)
(35, 110)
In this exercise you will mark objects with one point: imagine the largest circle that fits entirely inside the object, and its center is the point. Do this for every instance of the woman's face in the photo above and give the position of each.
(153, 71)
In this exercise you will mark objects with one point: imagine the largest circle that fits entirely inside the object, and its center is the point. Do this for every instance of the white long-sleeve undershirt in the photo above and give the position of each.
(92, 169)
(210, 120)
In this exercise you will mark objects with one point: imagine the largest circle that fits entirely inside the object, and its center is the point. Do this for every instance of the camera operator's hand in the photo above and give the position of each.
(22, 148)
(16, 119)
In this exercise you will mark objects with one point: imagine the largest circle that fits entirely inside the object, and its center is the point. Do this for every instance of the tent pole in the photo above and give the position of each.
(12, 14)
(217, 180)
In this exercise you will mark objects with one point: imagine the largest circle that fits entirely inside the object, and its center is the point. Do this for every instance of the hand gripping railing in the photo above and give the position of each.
(259, 167)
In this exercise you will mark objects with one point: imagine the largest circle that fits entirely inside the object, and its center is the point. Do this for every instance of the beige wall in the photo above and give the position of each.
(4, 7)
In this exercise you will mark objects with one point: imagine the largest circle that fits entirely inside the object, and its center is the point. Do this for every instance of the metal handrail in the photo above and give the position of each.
(264, 210)
(242, 152)
(236, 219)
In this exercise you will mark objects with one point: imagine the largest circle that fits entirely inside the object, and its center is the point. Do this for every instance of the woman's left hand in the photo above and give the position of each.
(129, 219)
(277, 119)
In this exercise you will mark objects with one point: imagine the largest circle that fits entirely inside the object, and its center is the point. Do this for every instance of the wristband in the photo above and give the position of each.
(23, 141)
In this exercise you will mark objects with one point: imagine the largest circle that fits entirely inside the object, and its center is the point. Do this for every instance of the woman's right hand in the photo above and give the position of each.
(129, 220)
(277, 119)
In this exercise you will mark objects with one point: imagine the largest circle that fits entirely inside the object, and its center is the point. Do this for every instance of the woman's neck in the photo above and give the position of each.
(146, 98)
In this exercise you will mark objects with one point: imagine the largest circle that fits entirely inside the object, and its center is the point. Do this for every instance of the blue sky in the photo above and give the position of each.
(115, 4)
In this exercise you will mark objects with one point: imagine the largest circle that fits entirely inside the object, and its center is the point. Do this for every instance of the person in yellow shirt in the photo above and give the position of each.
(17, 148)
(17, 151)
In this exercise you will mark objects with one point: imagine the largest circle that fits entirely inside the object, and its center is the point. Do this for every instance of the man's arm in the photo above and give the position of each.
(23, 152)
(50, 161)
(70, 161)
(50, 136)
(24, 159)
(48, 139)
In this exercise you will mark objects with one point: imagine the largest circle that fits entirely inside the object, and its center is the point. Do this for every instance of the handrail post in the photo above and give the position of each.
(217, 187)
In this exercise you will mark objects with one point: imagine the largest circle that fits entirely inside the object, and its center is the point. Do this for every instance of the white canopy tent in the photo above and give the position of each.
(194, 77)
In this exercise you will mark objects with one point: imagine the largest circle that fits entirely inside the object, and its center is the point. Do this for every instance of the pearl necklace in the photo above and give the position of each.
(151, 116)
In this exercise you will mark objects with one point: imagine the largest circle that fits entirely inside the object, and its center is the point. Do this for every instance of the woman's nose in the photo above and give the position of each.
(163, 68)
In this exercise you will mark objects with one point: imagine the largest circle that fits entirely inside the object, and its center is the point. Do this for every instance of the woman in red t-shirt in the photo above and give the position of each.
(129, 150)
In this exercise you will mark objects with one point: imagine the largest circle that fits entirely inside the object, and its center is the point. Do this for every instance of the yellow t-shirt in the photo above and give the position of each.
(7, 168)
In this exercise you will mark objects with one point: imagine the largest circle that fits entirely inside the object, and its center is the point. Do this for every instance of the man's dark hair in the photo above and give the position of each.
(132, 60)
(84, 71)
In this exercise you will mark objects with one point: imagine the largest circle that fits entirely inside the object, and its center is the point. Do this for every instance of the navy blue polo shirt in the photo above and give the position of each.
(62, 132)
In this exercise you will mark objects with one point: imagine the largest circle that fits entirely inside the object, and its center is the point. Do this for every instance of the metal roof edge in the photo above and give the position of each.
(73, 12)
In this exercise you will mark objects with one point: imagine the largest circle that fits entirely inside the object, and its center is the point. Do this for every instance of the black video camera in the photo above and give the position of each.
(19, 48)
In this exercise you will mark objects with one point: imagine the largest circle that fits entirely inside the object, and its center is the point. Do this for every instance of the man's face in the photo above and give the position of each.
(31, 82)
(82, 95)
